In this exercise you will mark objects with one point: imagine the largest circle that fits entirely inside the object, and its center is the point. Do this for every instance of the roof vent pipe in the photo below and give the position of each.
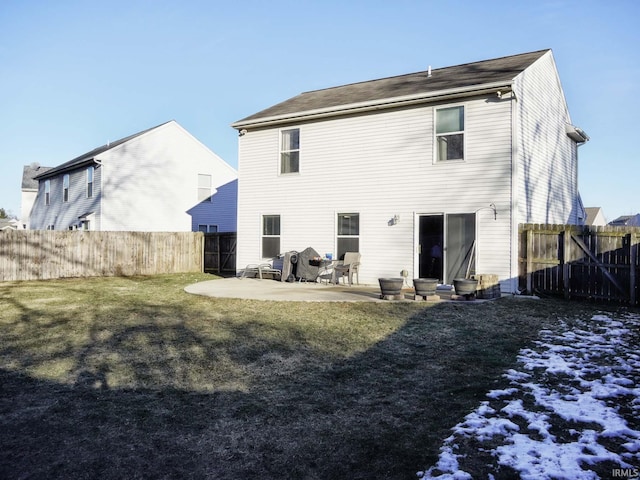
(429, 71)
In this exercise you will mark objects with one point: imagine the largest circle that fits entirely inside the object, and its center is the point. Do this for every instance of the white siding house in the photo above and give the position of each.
(161, 179)
(29, 191)
(455, 157)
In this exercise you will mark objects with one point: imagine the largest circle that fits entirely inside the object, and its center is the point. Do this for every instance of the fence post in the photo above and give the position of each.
(565, 262)
(633, 260)
(529, 259)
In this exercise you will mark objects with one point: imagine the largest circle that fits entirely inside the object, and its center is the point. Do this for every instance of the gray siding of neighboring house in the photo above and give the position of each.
(63, 215)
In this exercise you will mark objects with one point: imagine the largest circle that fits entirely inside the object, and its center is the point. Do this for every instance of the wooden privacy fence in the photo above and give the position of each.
(39, 255)
(581, 261)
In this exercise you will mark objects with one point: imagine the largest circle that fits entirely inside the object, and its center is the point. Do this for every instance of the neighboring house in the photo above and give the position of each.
(455, 157)
(161, 179)
(8, 224)
(595, 217)
(29, 191)
(626, 221)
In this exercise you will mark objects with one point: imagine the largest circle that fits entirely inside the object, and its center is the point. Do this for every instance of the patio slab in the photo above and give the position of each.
(265, 289)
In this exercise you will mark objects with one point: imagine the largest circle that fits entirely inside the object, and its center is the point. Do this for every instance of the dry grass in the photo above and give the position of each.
(133, 378)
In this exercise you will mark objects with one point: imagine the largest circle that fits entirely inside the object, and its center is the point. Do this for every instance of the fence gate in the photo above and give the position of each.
(581, 261)
(220, 253)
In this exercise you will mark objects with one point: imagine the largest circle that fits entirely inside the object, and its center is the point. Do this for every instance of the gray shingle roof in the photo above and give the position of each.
(503, 69)
(89, 156)
(29, 173)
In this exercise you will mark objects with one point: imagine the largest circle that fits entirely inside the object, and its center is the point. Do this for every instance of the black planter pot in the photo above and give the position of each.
(425, 286)
(465, 286)
(391, 286)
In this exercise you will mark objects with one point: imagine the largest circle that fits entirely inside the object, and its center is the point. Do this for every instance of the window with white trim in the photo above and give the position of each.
(450, 133)
(47, 192)
(65, 188)
(204, 188)
(270, 236)
(348, 233)
(90, 172)
(290, 151)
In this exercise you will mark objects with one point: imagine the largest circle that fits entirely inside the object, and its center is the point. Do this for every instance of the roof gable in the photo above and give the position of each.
(486, 72)
(29, 173)
(88, 157)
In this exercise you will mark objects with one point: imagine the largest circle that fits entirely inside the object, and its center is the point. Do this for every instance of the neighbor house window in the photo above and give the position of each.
(204, 188)
(90, 182)
(270, 236)
(450, 133)
(207, 228)
(65, 188)
(50, 227)
(348, 233)
(47, 192)
(290, 151)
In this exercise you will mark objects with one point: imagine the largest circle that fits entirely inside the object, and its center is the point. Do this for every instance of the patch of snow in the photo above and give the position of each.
(579, 376)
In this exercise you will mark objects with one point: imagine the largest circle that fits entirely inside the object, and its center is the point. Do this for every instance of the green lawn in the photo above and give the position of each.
(133, 378)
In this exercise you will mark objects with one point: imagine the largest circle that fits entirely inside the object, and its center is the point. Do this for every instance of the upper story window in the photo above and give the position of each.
(90, 182)
(450, 133)
(65, 188)
(204, 188)
(270, 236)
(290, 151)
(47, 192)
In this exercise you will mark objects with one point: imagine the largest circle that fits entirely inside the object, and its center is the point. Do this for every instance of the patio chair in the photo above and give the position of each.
(257, 270)
(348, 268)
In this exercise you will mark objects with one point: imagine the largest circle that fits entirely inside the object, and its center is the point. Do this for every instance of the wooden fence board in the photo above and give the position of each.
(39, 255)
(581, 261)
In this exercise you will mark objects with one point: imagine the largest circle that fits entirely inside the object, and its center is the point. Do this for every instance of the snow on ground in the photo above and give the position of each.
(566, 413)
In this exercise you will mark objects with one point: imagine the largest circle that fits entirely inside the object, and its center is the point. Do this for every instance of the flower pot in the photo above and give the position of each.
(465, 286)
(391, 286)
(425, 286)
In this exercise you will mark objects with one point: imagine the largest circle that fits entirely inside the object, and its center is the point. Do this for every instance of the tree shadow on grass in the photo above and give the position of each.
(265, 406)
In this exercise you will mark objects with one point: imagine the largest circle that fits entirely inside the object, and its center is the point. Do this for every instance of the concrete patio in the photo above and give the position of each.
(266, 289)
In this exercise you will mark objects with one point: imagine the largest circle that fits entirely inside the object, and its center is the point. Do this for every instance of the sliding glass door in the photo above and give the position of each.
(446, 246)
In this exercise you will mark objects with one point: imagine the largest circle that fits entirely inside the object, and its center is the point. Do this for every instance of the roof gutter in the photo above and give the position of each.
(362, 107)
(55, 171)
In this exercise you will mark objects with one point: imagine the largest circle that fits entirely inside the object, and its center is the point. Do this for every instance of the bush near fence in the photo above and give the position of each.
(581, 261)
(41, 255)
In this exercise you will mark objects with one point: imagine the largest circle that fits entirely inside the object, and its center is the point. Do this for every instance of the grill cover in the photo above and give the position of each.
(307, 268)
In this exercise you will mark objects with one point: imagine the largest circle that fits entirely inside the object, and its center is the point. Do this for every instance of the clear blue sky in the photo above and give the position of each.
(76, 74)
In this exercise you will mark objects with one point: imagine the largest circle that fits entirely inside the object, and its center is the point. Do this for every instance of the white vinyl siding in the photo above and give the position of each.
(145, 184)
(547, 161)
(380, 166)
(170, 161)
